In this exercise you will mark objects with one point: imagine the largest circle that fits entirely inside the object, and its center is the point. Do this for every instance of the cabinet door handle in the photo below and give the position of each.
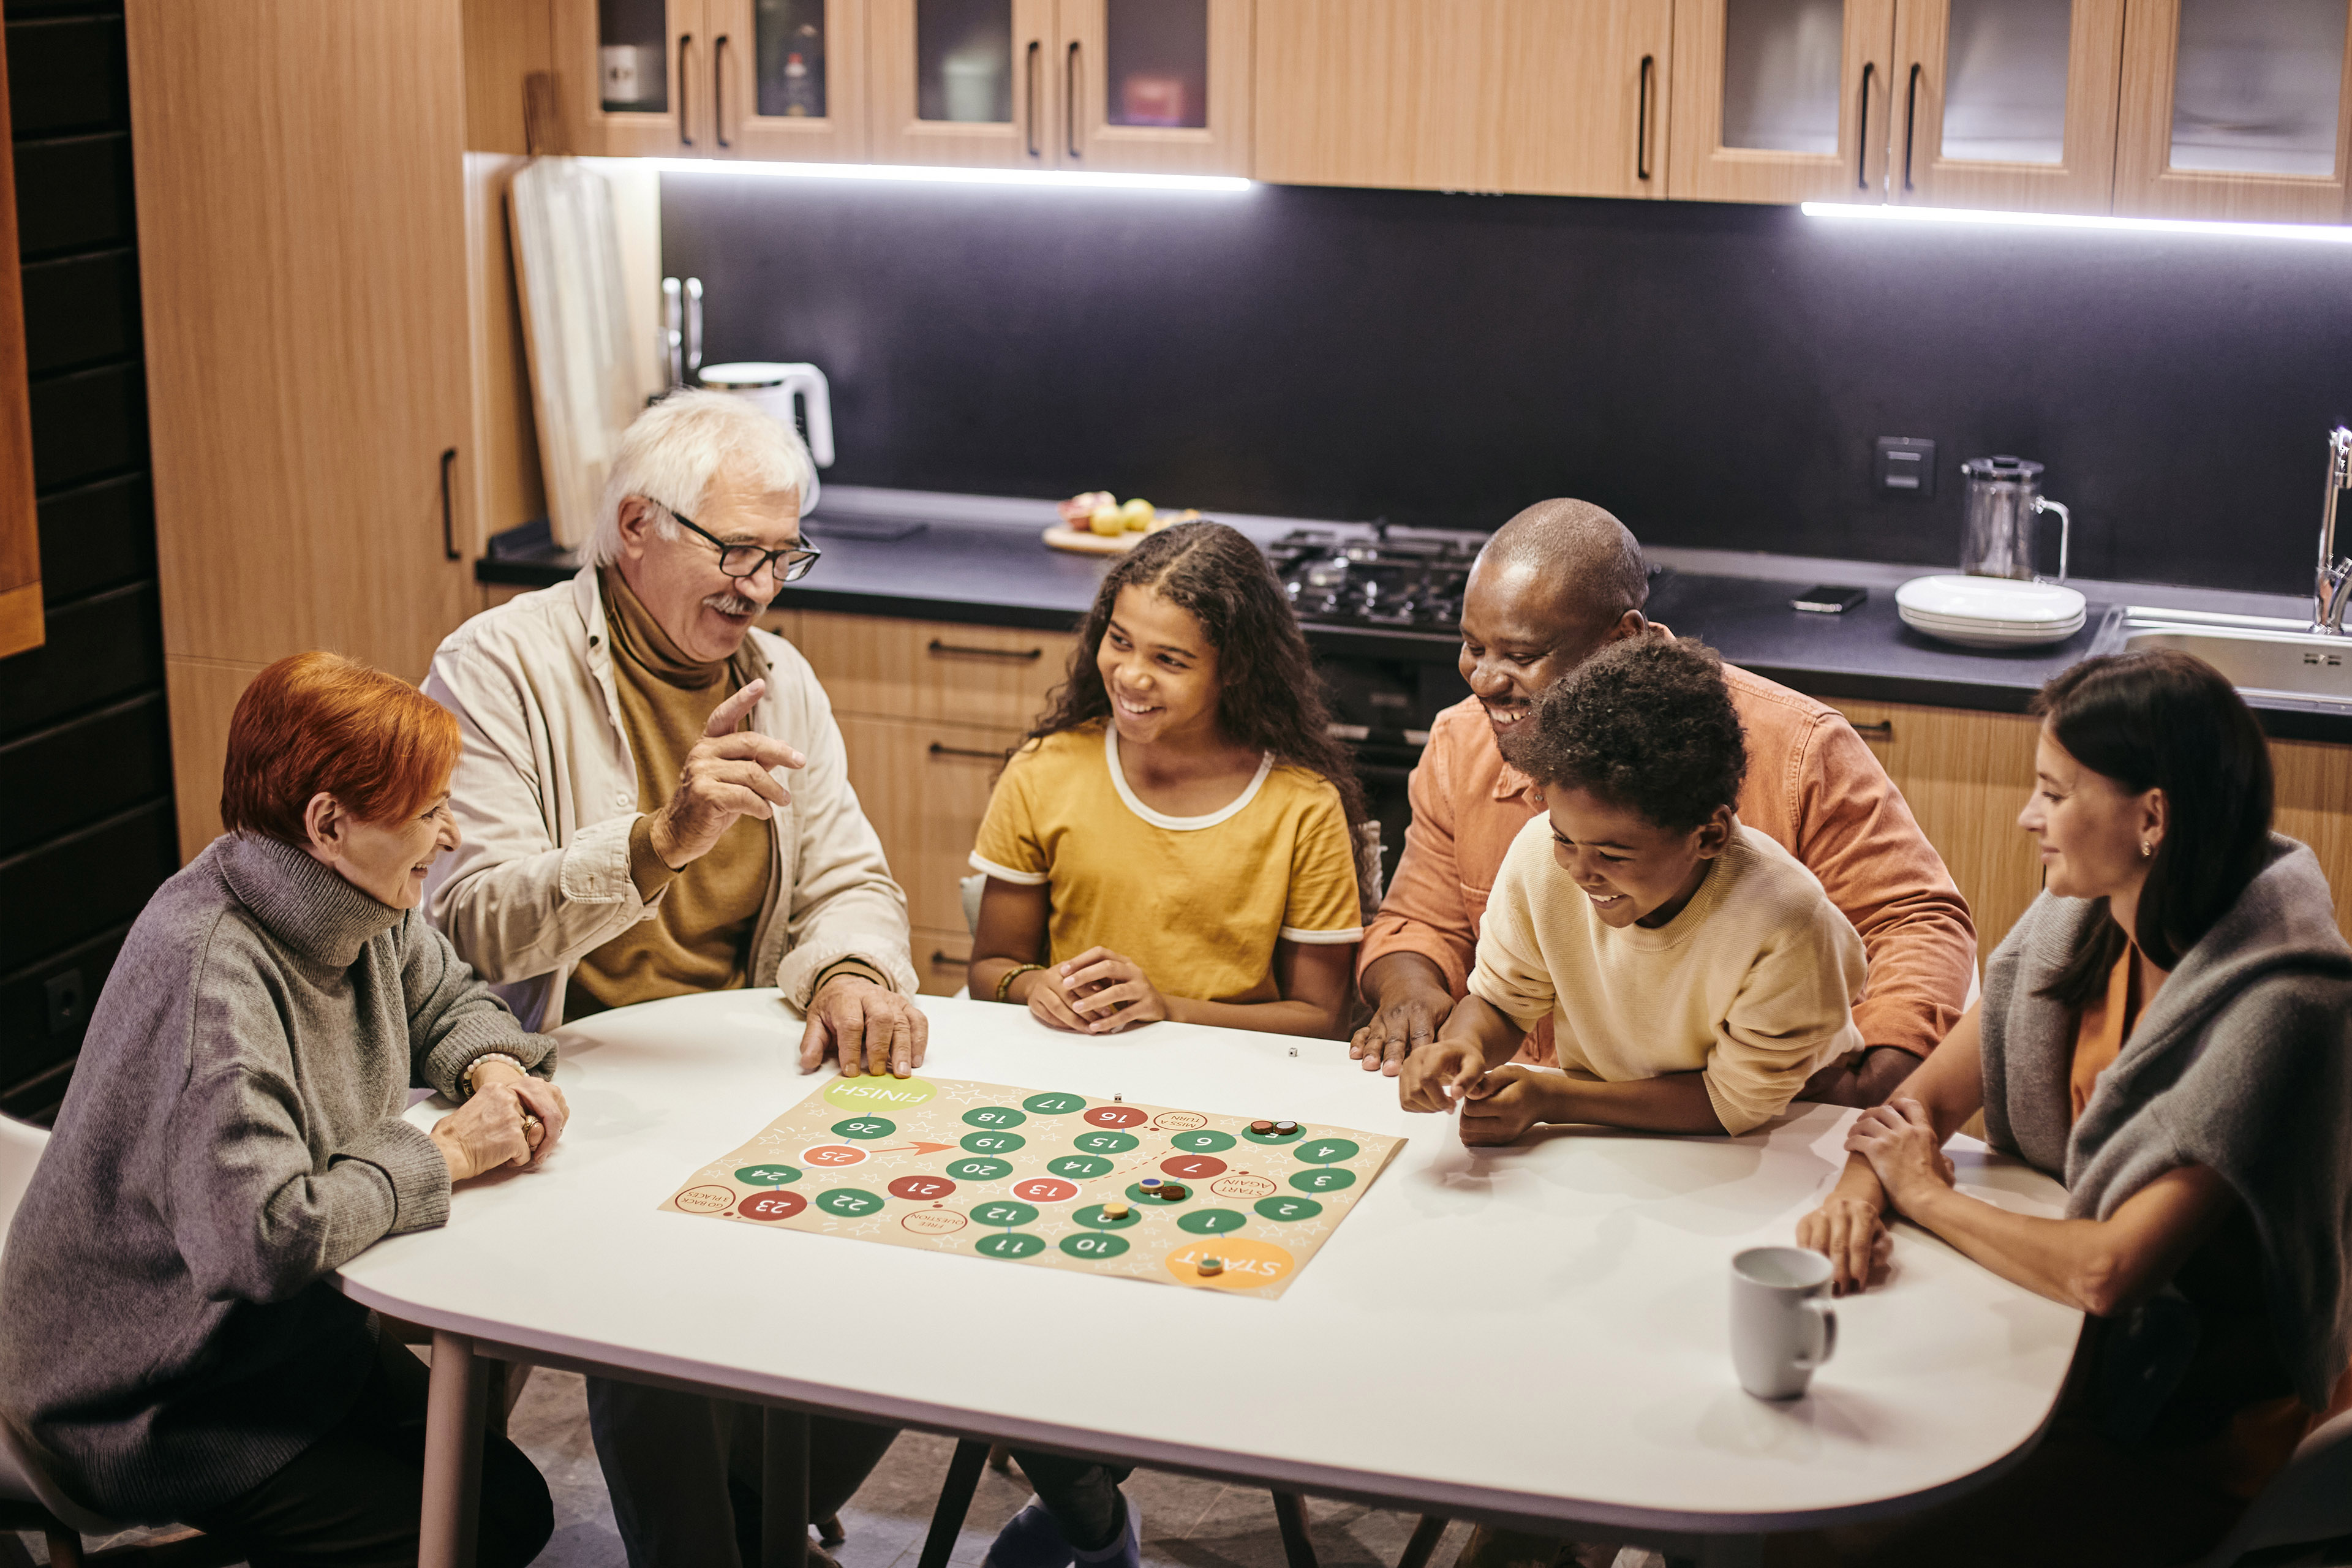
(961, 650)
(1070, 101)
(1910, 122)
(449, 550)
(940, 959)
(939, 750)
(1862, 130)
(685, 40)
(1642, 122)
(1882, 730)
(1036, 49)
(718, 89)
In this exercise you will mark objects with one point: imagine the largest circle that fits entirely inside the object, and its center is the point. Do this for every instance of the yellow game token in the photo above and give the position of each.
(1114, 1211)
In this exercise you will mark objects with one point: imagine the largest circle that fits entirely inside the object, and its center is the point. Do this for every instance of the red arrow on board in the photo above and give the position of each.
(918, 1146)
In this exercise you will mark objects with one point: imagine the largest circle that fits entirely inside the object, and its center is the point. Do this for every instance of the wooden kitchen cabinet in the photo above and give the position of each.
(962, 82)
(1542, 97)
(2235, 110)
(634, 78)
(21, 621)
(788, 79)
(1781, 101)
(1154, 87)
(2314, 783)
(303, 269)
(2006, 105)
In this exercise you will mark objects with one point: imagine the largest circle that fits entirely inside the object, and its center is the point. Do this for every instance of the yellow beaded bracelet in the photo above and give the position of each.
(1006, 984)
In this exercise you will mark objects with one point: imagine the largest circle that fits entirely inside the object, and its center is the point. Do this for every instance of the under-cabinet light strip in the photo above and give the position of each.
(2327, 234)
(910, 173)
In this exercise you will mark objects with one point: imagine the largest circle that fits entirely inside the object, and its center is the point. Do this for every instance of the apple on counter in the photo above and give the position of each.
(1100, 512)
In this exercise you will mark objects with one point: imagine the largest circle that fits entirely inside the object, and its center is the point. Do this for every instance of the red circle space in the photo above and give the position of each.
(1193, 1167)
(927, 1187)
(1114, 1116)
(1045, 1190)
(771, 1205)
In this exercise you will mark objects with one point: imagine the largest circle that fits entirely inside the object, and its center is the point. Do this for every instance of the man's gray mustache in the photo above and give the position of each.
(733, 605)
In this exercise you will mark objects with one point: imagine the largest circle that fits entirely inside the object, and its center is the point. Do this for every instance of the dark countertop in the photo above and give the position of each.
(978, 561)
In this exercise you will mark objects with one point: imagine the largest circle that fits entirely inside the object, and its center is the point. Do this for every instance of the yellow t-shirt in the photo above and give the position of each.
(1752, 984)
(1199, 901)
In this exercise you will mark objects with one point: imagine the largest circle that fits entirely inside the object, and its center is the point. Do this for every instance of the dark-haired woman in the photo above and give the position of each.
(2168, 1030)
(1175, 839)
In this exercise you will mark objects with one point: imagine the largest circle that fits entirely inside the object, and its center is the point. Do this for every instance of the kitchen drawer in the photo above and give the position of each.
(933, 669)
(925, 788)
(940, 958)
(785, 624)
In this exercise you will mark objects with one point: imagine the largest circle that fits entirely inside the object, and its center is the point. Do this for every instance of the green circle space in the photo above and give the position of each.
(1009, 1244)
(879, 1093)
(993, 1116)
(1325, 1180)
(1103, 1142)
(1326, 1151)
(979, 1169)
(1094, 1218)
(1277, 1138)
(1204, 1142)
(849, 1203)
(1287, 1208)
(1054, 1104)
(1079, 1167)
(993, 1142)
(767, 1175)
(864, 1127)
(1093, 1245)
(1004, 1213)
(1213, 1222)
(1142, 1196)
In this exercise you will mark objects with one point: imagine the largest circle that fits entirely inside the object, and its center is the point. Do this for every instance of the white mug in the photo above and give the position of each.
(1782, 1326)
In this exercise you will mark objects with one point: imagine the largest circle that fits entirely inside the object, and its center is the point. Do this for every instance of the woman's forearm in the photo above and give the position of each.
(1290, 1016)
(1860, 1183)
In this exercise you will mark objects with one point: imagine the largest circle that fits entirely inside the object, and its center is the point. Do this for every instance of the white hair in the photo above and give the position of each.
(672, 451)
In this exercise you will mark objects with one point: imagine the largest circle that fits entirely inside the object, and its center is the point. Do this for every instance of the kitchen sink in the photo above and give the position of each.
(2263, 656)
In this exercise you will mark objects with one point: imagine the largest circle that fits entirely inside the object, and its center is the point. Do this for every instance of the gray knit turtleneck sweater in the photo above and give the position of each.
(233, 1135)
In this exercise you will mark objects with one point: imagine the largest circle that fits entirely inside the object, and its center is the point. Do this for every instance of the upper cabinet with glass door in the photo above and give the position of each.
(1153, 86)
(2234, 109)
(788, 79)
(2006, 104)
(1781, 101)
(963, 82)
(633, 76)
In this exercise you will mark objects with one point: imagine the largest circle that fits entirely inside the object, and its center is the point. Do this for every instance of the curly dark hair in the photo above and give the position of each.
(1647, 724)
(1271, 698)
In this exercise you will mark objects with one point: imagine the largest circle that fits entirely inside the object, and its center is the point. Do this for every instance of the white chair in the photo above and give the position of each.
(2308, 1503)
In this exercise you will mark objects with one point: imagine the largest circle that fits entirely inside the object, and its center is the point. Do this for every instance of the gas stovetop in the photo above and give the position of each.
(1407, 582)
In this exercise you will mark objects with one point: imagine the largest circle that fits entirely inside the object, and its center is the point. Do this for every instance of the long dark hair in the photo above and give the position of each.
(2170, 721)
(1271, 698)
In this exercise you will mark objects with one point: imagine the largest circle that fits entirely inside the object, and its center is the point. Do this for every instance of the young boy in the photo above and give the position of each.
(1696, 974)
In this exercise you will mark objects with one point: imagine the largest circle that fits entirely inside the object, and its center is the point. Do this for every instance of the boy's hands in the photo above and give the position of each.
(1439, 1076)
(1502, 1104)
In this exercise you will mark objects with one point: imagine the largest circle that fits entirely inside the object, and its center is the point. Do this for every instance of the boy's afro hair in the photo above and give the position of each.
(1647, 724)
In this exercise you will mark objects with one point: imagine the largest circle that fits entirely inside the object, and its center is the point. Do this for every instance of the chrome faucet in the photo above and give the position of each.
(2331, 590)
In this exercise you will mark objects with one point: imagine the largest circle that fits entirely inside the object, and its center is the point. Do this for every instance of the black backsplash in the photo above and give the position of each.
(1715, 375)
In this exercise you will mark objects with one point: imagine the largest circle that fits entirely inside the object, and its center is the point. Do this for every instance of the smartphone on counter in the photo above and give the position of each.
(1829, 599)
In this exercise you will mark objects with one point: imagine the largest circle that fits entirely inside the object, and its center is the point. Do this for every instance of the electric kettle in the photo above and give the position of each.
(776, 388)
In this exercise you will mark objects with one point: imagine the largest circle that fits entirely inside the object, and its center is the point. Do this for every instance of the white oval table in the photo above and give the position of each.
(1533, 1336)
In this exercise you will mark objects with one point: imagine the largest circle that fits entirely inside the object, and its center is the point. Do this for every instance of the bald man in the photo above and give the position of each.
(1557, 582)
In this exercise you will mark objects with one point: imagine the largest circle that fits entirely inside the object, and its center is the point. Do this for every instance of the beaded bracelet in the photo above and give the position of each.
(1015, 972)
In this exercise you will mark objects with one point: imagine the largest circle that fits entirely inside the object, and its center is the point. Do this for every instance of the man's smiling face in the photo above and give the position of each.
(1521, 632)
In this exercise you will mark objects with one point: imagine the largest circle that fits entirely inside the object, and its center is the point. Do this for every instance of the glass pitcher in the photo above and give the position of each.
(2003, 500)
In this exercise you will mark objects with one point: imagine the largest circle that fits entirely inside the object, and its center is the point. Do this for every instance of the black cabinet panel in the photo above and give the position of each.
(34, 1044)
(87, 424)
(95, 537)
(81, 309)
(73, 888)
(76, 773)
(66, 74)
(74, 194)
(100, 649)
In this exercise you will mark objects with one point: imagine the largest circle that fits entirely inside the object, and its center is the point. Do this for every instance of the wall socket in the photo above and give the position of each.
(1905, 466)
(65, 997)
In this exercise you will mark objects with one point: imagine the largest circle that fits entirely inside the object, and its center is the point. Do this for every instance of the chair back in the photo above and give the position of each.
(2307, 1502)
(20, 1150)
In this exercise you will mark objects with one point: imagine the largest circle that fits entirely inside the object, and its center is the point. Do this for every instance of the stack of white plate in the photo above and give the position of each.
(1990, 612)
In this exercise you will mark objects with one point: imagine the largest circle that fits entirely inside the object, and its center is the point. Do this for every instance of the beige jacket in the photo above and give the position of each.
(547, 791)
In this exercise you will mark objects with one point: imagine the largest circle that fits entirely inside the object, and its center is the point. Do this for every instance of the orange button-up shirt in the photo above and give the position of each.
(1812, 786)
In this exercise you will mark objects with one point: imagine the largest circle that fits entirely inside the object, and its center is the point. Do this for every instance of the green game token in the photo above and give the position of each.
(1274, 1137)
(1212, 1222)
(1009, 1244)
(1054, 1104)
(849, 1203)
(1144, 1197)
(1287, 1208)
(767, 1175)
(1326, 1151)
(1079, 1167)
(1325, 1180)
(993, 1142)
(993, 1116)
(1093, 1217)
(864, 1127)
(1204, 1142)
(1104, 1142)
(1007, 1215)
(1093, 1245)
(979, 1169)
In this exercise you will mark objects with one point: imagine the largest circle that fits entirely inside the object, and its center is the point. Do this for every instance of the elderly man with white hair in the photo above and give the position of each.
(629, 835)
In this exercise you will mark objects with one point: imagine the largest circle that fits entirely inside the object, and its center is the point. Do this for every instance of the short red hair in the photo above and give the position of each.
(320, 722)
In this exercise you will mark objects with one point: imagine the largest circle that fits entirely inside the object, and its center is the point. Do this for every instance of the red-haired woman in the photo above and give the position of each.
(234, 1133)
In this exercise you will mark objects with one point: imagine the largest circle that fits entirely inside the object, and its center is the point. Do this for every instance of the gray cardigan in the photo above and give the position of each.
(233, 1134)
(2242, 1064)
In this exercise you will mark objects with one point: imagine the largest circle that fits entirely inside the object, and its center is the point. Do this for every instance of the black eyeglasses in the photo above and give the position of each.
(741, 560)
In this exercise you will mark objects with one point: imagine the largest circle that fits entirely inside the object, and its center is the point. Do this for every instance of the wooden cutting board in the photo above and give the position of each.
(1078, 543)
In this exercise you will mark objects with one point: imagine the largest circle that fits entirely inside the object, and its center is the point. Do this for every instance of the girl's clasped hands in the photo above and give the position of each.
(1097, 992)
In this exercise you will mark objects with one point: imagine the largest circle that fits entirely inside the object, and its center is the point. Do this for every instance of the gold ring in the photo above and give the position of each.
(529, 1121)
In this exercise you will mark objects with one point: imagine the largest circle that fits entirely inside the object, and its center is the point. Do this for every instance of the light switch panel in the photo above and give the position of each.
(1905, 466)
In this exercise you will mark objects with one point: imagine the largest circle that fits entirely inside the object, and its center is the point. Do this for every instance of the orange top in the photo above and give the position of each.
(2107, 1022)
(1813, 787)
